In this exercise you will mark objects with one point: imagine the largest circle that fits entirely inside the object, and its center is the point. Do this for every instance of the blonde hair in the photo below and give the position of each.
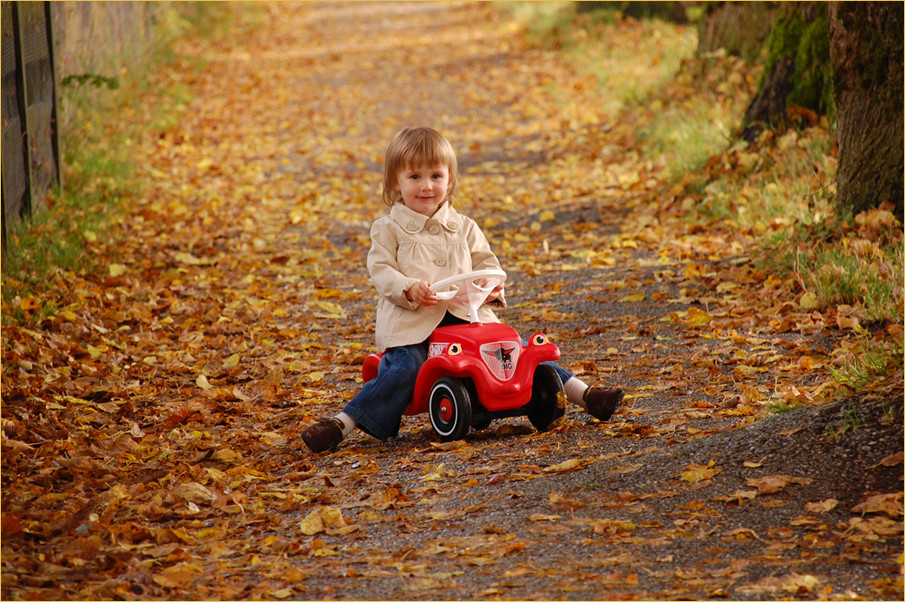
(414, 148)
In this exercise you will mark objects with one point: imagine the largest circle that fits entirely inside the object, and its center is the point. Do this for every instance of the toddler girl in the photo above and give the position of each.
(422, 240)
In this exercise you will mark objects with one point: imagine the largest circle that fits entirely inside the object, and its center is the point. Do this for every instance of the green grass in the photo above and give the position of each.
(779, 192)
(623, 68)
(849, 423)
(98, 175)
(870, 361)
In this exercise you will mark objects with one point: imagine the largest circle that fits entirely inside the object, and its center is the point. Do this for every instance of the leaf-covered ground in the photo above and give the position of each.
(151, 427)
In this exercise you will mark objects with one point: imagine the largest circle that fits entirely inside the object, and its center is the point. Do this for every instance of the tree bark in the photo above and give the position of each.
(796, 71)
(866, 51)
(738, 27)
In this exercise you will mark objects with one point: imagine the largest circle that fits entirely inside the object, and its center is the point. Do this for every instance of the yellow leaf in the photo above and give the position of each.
(809, 301)
(697, 318)
(321, 519)
(95, 352)
(434, 474)
(332, 310)
(312, 524)
(800, 585)
(567, 466)
(491, 222)
(547, 216)
(698, 472)
(116, 270)
(189, 259)
(694, 270)
(632, 298)
(543, 517)
(231, 361)
(297, 216)
(202, 382)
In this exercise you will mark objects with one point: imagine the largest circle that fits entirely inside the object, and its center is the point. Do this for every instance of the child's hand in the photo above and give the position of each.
(420, 294)
(496, 293)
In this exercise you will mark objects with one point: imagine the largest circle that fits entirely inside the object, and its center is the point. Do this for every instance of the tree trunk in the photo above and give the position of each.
(738, 27)
(797, 72)
(672, 12)
(866, 50)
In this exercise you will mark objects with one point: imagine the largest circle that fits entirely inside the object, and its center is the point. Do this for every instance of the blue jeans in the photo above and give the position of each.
(379, 406)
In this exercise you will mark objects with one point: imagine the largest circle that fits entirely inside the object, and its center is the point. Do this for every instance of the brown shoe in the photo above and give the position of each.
(323, 435)
(601, 403)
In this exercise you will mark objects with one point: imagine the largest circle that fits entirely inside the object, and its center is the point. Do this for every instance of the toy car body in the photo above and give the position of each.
(477, 372)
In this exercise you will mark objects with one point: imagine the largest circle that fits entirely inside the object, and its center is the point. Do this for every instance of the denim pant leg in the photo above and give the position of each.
(563, 374)
(378, 407)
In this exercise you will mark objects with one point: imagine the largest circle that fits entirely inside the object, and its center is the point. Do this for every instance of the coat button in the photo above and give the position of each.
(412, 227)
(441, 261)
(453, 226)
(434, 228)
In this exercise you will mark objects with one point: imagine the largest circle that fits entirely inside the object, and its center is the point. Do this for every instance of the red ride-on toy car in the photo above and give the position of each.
(477, 372)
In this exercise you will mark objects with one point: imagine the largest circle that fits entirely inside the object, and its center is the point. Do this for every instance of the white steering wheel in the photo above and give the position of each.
(474, 288)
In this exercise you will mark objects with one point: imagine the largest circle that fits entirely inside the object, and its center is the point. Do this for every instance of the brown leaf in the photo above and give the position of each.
(776, 483)
(889, 503)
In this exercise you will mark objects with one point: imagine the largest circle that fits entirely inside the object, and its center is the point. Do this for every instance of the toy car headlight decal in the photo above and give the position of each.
(455, 349)
(539, 339)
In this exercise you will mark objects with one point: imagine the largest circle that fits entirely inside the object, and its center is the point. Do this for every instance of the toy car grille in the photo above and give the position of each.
(501, 357)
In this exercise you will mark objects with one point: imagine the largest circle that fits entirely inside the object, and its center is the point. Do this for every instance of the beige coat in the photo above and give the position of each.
(407, 247)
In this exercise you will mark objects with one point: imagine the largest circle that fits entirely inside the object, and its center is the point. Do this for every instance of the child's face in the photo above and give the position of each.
(423, 189)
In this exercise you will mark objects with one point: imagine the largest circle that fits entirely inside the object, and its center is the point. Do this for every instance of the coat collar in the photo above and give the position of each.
(414, 222)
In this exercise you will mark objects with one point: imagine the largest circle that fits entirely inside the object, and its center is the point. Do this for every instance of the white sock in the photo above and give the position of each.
(349, 423)
(575, 388)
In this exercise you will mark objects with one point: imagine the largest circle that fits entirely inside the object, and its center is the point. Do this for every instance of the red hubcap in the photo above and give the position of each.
(446, 410)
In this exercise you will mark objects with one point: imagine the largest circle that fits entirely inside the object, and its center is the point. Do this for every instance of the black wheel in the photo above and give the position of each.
(544, 406)
(450, 408)
(480, 417)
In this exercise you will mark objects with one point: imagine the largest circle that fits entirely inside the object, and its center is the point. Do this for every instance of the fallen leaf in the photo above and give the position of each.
(888, 503)
(567, 466)
(116, 270)
(698, 472)
(202, 382)
(774, 484)
(194, 492)
(322, 518)
(821, 507)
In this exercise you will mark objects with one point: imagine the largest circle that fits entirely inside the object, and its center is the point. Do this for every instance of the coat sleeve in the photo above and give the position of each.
(482, 257)
(383, 267)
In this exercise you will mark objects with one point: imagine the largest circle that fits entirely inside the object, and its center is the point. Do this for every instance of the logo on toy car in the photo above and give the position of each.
(501, 358)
